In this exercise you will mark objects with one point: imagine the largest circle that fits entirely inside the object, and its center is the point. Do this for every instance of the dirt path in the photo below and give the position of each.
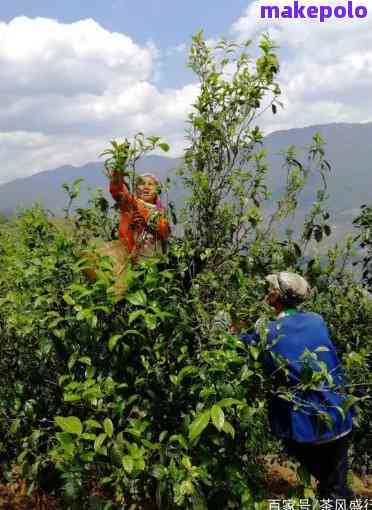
(13, 496)
(281, 479)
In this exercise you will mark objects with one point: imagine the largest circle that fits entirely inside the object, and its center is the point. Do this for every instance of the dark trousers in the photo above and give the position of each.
(327, 462)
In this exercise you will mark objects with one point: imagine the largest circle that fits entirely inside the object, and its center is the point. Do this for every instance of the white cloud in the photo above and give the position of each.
(44, 56)
(326, 71)
(24, 152)
(67, 89)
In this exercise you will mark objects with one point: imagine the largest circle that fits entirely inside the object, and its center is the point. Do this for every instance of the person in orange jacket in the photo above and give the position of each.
(143, 227)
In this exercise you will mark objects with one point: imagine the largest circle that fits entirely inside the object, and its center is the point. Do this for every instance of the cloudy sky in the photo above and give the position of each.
(77, 73)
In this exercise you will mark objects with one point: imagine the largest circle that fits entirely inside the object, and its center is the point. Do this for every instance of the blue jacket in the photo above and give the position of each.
(288, 338)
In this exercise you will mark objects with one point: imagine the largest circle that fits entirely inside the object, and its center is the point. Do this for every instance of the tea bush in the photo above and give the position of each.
(148, 401)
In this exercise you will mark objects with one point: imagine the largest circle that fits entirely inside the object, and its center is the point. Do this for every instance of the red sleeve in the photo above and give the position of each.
(119, 191)
(163, 228)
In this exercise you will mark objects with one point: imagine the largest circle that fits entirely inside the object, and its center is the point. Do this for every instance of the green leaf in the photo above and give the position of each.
(153, 139)
(199, 424)
(87, 457)
(88, 436)
(254, 352)
(228, 402)
(150, 321)
(105, 480)
(306, 374)
(15, 426)
(72, 360)
(66, 440)
(134, 315)
(185, 371)
(127, 462)
(159, 471)
(90, 372)
(108, 427)
(218, 417)
(133, 332)
(137, 298)
(174, 379)
(70, 424)
(178, 438)
(68, 299)
(322, 348)
(327, 419)
(85, 360)
(99, 441)
(71, 397)
(113, 341)
(304, 475)
(140, 464)
(229, 429)
(163, 435)
(341, 411)
(164, 147)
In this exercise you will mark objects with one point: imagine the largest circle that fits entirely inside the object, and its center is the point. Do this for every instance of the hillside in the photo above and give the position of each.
(46, 187)
(348, 150)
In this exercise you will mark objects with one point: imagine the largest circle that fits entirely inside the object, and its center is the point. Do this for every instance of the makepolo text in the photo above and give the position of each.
(321, 12)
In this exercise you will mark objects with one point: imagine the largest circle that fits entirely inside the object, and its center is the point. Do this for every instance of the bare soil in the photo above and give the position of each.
(280, 479)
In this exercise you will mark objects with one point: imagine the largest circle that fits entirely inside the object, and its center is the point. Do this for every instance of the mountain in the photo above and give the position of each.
(46, 187)
(348, 149)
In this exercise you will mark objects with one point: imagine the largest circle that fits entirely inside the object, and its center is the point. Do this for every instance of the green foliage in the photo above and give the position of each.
(122, 157)
(3, 219)
(150, 400)
(364, 224)
(225, 195)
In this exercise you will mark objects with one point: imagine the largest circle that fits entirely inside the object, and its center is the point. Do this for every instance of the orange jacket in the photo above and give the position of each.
(129, 233)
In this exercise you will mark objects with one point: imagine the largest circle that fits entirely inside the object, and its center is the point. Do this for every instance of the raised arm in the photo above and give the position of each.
(119, 191)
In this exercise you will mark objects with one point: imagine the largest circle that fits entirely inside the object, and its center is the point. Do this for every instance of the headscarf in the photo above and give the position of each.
(290, 285)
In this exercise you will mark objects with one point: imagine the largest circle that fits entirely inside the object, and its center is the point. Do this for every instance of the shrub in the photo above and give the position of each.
(149, 400)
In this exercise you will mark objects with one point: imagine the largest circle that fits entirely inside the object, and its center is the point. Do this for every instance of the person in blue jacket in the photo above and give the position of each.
(310, 410)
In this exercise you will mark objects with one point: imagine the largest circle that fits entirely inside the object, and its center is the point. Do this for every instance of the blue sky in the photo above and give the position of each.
(76, 74)
(167, 22)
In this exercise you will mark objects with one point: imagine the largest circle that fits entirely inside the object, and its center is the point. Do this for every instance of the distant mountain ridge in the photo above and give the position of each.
(348, 149)
(46, 187)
